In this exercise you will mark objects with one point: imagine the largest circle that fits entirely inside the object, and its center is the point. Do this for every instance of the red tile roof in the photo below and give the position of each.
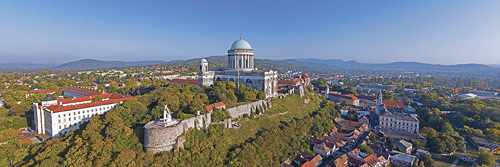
(82, 91)
(208, 108)
(355, 151)
(306, 75)
(296, 81)
(192, 81)
(85, 98)
(57, 108)
(341, 161)
(346, 96)
(367, 98)
(5, 90)
(315, 161)
(219, 104)
(211, 106)
(371, 160)
(393, 103)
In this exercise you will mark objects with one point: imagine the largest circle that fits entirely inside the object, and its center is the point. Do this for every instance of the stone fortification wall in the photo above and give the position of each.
(227, 123)
(158, 138)
(239, 111)
(163, 139)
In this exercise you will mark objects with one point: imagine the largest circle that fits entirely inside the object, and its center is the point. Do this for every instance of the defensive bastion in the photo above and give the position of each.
(158, 138)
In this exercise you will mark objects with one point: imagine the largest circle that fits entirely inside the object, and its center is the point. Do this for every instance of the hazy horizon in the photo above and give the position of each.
(436, 32)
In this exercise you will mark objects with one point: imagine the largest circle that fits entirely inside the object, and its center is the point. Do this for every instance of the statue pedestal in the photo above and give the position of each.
(169, 122)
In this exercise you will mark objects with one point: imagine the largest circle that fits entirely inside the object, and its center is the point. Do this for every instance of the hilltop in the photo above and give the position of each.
(91, 64)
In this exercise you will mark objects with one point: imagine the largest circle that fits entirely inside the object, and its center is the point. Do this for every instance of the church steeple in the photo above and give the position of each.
(327, 91)
(379, 102)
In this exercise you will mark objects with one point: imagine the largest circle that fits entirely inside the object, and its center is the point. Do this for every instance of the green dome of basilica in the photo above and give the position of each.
(240, 44)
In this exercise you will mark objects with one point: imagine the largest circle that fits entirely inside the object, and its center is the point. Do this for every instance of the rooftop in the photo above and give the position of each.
(240, 44)
(192, 81)
(57, 108)
(83, 91)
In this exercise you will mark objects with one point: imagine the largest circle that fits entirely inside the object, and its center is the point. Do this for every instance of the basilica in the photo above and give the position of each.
(240, 70)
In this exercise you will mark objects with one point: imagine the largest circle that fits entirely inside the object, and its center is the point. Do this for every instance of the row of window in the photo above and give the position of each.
(79, 117)
(399, 123)
(83, 112)
(407, 129)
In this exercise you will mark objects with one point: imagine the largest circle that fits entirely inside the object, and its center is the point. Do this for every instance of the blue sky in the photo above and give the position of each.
(437, 31)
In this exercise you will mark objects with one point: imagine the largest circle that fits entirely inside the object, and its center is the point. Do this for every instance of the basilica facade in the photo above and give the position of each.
(240, 70)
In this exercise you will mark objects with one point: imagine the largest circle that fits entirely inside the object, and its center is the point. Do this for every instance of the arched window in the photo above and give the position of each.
(231, 79)
(249, 81)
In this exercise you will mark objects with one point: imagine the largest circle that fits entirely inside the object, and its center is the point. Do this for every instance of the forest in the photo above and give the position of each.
(115, 138)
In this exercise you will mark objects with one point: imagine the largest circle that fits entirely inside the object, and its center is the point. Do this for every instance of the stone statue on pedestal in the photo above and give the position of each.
(167, 118)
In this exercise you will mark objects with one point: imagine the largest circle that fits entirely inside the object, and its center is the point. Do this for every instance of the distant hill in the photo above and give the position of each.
(24, 67)
(396, 65)
(91, 64)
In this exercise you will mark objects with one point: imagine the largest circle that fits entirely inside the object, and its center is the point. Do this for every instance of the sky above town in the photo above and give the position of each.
(381, 31)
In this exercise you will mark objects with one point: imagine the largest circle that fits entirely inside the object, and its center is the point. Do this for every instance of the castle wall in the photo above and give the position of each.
(158, 138)
(240, 110)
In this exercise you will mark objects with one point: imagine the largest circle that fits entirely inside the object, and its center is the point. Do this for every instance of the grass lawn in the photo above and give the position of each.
(292, 105)
(446, 161)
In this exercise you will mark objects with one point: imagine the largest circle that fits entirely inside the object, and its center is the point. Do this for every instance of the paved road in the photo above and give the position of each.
(455, 162)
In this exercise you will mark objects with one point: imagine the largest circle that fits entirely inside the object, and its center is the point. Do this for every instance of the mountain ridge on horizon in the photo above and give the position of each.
(91, 64)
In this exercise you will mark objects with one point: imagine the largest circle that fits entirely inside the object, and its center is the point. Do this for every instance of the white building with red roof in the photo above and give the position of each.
(55, 117)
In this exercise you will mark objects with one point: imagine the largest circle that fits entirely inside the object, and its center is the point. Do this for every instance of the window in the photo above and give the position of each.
(59, 116)
(69, 114)
(64, 115)
(60, 127)
(59, 121)
(69, 118)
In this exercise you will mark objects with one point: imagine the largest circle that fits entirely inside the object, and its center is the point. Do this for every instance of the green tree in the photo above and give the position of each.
(365, 149)
(97, 99)
(386, 95)
(485, 158)
(17, 110)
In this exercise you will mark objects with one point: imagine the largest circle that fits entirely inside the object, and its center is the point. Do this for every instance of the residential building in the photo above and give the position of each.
(373, 87)
(303, 159)
(339, 162)
(407, 147)
(55, 117)
(364, 119)
(322, 150)
(403, 160)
